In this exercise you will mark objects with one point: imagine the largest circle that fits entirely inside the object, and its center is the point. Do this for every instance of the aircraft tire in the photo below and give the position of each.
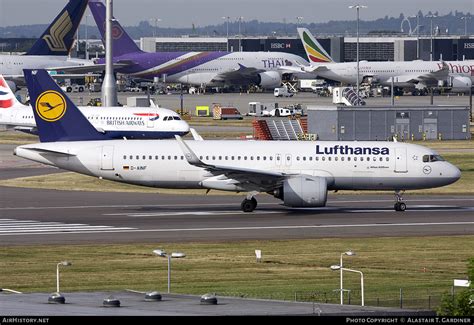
(248, 205)
(400, 206)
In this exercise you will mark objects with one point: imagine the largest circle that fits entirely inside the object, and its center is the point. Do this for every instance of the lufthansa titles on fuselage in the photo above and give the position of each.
(348, 150)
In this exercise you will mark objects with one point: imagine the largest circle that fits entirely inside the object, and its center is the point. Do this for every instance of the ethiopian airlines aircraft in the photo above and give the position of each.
(51, 50)
(459, 75)
(194, 68)
(112, 122)
(299, 173)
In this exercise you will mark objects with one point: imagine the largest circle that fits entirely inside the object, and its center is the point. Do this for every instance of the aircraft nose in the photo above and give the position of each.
(453, 174)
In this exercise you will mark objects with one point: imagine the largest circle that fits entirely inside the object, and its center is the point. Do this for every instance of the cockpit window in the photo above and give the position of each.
(176, 118)
(432, 158)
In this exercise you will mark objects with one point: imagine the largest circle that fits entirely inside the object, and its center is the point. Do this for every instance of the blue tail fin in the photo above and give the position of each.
(57, 118)
(59, 36)
(122, 43)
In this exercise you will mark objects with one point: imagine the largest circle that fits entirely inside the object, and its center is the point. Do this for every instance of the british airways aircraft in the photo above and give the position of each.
(299, 173)
(51, 50)
(194, 68)
(458, 75)
(112, 122)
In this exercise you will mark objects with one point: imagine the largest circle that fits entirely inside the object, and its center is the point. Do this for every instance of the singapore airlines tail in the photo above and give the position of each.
(57, 118)
(314, 50)
(59, 36)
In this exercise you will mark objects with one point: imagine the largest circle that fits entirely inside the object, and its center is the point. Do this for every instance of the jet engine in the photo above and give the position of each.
(12, 85)
(303, 191)
(460, 84)
(269, 79)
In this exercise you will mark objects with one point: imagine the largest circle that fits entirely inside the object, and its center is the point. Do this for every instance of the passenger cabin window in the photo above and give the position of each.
(432, 158)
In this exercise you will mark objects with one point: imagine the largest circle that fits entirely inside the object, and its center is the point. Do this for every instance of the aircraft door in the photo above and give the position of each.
(401, 160)
(107, 158)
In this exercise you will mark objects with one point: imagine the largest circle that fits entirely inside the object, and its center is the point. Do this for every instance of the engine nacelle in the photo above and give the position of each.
(460, 84)
(303, 191)
(12, 85)
(269, 79)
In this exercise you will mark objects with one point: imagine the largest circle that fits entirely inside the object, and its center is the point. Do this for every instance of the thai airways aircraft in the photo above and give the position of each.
(111, 122)
(51, 50)
(299, 173)
(459, 75)
(194, 68)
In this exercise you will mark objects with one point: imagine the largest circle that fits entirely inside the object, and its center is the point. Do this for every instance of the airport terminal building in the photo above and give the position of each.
(342, 49)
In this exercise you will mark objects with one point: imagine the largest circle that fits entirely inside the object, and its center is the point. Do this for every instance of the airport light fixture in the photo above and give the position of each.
(155, 29)
(162, 253)
(298, 21)
(227, 28)
(348, 253)
(431, 34)
(240, 35)
(338, 267)
(357, 7)
(63, 263)
(465, 18)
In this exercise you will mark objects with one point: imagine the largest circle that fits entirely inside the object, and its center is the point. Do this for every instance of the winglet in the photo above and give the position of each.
(191, 157)
(196, 135)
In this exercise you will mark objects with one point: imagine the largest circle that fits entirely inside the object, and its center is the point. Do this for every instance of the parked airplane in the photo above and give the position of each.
(51, 50)
(112, 122)
(299, 173)
(459, 75)
(194, 68)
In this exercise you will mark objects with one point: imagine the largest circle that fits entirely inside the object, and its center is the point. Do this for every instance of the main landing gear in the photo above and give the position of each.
(248, 204)
(399, 204)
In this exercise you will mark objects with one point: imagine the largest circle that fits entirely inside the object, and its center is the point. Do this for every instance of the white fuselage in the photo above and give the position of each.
(400, 71)
(130, 122)
(13, 65)
(345, 165)
(223, 70)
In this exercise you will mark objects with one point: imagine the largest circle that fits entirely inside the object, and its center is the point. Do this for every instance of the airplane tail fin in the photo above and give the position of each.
(59, 36)
(57, 118)
(314, 50)
(122, 42)
(7, 97)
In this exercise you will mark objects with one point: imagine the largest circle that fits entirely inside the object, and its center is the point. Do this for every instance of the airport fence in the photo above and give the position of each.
(404, 298)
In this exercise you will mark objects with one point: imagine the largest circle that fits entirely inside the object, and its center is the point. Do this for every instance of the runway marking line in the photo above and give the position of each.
(416, 224)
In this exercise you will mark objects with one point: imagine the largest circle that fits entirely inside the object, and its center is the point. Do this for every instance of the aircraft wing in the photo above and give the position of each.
(85, 69)
(315, 68)
(241, 73)
(252, 179)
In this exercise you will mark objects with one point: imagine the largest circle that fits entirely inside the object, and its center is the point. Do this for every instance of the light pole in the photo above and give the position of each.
(338, 267)
(240, 35)
(465, 18)
(155, 30)
(357, 7)
(431, 35)
(64, 263)
(87, 39)
(348, 253)
(162, 253)
(227, 28)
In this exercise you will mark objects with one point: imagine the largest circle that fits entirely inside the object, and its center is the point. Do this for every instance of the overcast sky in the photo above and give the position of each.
(183, 13)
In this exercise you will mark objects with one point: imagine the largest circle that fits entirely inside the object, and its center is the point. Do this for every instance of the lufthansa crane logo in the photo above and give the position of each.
(58, 32)
(50, 106)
